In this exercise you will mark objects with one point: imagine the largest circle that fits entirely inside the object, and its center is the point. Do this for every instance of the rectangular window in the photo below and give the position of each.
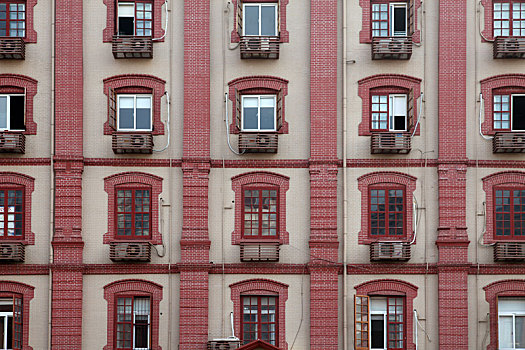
(510, 213)
(133, 323)
(259, 319)
(511, 323)
(134, 112)
(389, 19)
(387, 323)
(389, 112)
(11, 323)
(12, 19)
(509, 112)
(12, 112)
(135, 18)
(509, 18)
(133, 213)
(258, 113)
(11, 214)
(260, 20)
(260, 213)
(387, 212)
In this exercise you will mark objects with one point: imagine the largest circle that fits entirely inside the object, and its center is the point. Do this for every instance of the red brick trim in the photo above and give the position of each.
(504, 288)
(284, 36)
(488, 30)
(507, 179)
(131, 179)
(27, 293)
(110, 30)
(10, 178)
(133, 287)
(261, 286)
(387, 177)
(30, 86)
(388, 287)
(260, 178)
(30, 31)
(257, 84)
(394, 81)
(488, 86)
(365, 35)
(132, 82)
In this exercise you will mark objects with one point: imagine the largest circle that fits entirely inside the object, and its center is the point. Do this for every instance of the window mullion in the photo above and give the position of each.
(259, 227)
(133, 213)
(260, 19)
(259, 109)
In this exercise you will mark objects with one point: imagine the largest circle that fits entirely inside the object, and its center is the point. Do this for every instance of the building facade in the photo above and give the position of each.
(264, 174)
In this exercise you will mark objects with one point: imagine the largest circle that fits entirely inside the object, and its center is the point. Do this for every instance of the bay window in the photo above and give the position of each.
(12, 112)
(134, 112)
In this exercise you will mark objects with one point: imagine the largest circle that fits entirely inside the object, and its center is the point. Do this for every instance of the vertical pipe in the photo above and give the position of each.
(345, 185)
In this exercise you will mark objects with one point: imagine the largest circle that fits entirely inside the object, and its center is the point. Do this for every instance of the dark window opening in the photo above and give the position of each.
(518, 112)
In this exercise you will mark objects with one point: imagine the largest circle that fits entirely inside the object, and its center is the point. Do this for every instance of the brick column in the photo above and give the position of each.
(452, 238)
(195, 244)
(323, 176)
(66, 332)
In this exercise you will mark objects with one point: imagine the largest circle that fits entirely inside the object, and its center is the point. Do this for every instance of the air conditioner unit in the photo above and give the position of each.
(259, 251)
(390, 250)
(12, 252)
(130, 251)
(253, 44)
(138, 140)
(223, 344)
(265, 44)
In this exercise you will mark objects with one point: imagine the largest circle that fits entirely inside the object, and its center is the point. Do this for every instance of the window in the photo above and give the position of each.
(260, 19)
(509, 18)
(11, 213)
(259, 319)
(509, 112)
(509, 212)
(258, 113)
(134, 112)
(135, 18)
(511, 323)
(387, 211)
(133, 213)
(389, 19)
(12, 116)
(11, 322)
(133, 207)
(389, 112)
(260, 213)
(133, 323)
(13, 19)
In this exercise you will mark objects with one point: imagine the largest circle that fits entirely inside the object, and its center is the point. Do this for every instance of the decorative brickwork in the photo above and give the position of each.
(110, 30)
(487, 34)
(30, 31)
(284, 36)
(22, 84)
(262, 178)
(138, 83)
(7, 289)
(365, 35)
(133, 288)
(28, 183)
(385, 81)
(138, 180)
(388, 287)
(262, 287)
(260, 84)
(386, 178)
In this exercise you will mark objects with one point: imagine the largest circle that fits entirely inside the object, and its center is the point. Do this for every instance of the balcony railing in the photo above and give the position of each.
(508, 142)
(12, 48)
(132, 143)
(390, 251)
(391, 48)
(130, 251)
(12, 252)
(132, 46)
(12, 142)
(259, 47)
(509, 251)
(259, 251)
(509, 47)
(258, 142)
(390, 142)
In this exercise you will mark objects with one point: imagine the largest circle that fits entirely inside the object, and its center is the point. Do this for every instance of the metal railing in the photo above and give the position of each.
(390, 251)
(258, 142)
(259, 47)
(508, 142)
(390, 142)
(12, 48)
(509, 47)
(132, 46)
(509, 251)
(12, 142)
(391, 48)
(132, 142)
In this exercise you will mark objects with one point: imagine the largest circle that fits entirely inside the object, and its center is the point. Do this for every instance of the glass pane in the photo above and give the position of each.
(267, 118)
(520, 332)
(268, 20)
(250, 113)
(505, 332)
(3, 112)
(143, 113)
(251, 20)
(126, 112)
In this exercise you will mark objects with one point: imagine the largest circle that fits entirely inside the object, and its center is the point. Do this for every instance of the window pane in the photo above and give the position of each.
(3, 112)
(267, 118)
(143, 113)
(505, 332)
(251, 20)
(520, 332)
(17, 113)
(126, 112)
(399, 24)
(250, 113)
(268, 20)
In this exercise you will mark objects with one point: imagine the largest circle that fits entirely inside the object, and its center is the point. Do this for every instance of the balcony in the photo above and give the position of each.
(391, 48)
(12, 142)
(390, 142)
(508, 142)
(258, 142)
(12, 48)
(509, 251)
(260, 251)
(132, 46)
(130, 251)
(390, 251)
(509, 47)
(259, 47)
(12, 252)
(132, 143)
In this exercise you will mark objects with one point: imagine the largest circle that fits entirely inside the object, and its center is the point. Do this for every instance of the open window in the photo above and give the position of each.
(134, 112)
(390, 112)
(390, 19)
(509, 111)
(12, 112)
(135, 18)
(133, 320)
(511, 322)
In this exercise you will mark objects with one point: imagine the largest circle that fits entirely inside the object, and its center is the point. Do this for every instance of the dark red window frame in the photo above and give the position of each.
(8, 19)
(510, 220)
(511, 13)
(132, 322)
(259, 322)
(133, 213)
(21, 218)
(372, 20)
(387, 211)
(391, 325)
(260, 212)
(379, 94)
(136, 19)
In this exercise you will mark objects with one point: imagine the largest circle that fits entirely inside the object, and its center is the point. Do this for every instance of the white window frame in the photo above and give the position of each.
(135, 313)
(259, 113)
(8, 112)
(132, 4)
(513, 315)
(260, 21)
(391, 121)
(385, 323)
(392, 6)
(135, 96)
